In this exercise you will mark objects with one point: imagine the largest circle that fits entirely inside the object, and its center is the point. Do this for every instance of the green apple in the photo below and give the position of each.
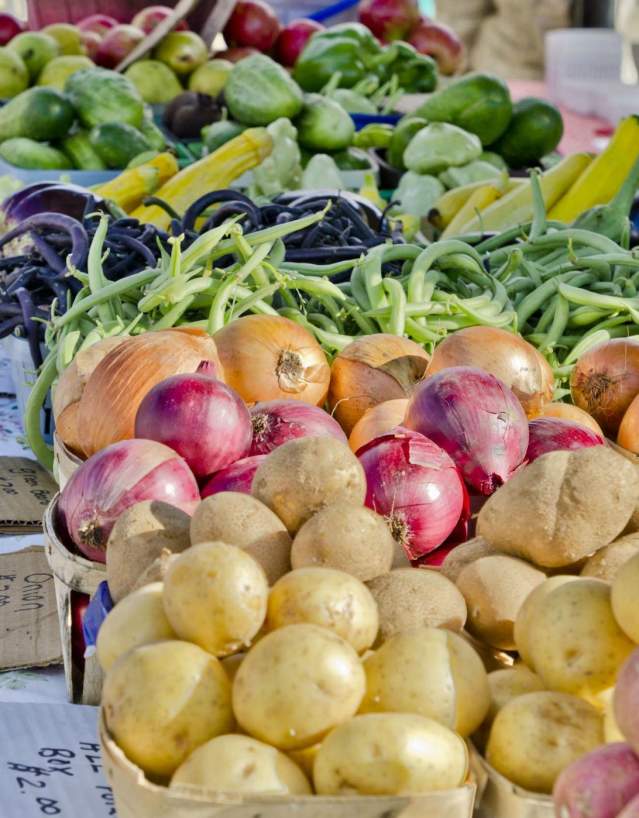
(210, 78)
(35, 49)
(182, 51)
(56, 73)
(68, 38)
(14, 76)
(154, 80)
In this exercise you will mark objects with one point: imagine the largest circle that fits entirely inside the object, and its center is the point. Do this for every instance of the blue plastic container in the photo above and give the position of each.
(362, 120)
(85, 178)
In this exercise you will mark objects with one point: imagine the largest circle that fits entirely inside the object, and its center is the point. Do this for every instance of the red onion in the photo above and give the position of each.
(201, 418)
(292, 39)
(277, 421)
(236, 477)
(551, 435)
(115, 478)
(416, 486)
(474, 417)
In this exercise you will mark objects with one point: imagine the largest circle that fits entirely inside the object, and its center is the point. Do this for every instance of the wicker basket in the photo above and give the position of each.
(75, 580)
(64, 462)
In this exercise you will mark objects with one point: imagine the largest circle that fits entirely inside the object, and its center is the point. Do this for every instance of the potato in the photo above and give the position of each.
(575, 644)
(305, 759)
(215, 595)
(348, 537)
(533, 601)
(463, 554)
(296, 684)
(536, 736)
(605, 563)
(605, 702)
(305, 475)
(625, 700)
(495, 588)
(431, 672)
(411, 597)
(492, 658)
(161, 701)
(390, 754)
(331, 599)
(240, 764)
(156, 571)
(139, 536)
(504, 685)
(231, 664)
(625, 598)
(564, 506)
(241, 520)
(138, 619)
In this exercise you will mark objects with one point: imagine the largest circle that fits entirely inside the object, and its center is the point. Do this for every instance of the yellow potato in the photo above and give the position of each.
(506, 684)
(390, 754)
(240, 764)
(605, 563)
(138, 619)
(605, 700)
(231, 664)
(535, 736)
(328, 598)
(576, 645)
(533, 601)
(215, 595)
(161, 701)
(305, 759)
(296, 684)
(431, 672)
(464, 554)
(625, 598)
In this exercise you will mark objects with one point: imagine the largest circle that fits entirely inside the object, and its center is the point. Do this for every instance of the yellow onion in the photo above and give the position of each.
(628, 436)
(268, 357)
(377, 421)
(566, 411)
(371, 370)
(113, 393)
(503, 354)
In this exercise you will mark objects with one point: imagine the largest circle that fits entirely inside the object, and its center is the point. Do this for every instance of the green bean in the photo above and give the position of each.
(537, 298)
(558, 325)
(330, 339)
(397, 322)
(252, 301)
(422, 335)
(576, 295)
(372, 278)
(359, 288)
(35, 402)
(96, 278)
(506, 237)
(607, 287)
(578, 236)
(538, 225)
(587, 342)
(205, 244)
(326, 270)
(584, 316)
(170, 318)
(365, 325)
(547, 316)
(322, 321)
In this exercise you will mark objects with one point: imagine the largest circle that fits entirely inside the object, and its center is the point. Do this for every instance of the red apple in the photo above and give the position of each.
(117, 44)
(148, 18)
(235, 54)
(440, 42)
(253, 24)
(91, 41)
(99, 24)
(292, 39)
(9, 27)
(389, 19)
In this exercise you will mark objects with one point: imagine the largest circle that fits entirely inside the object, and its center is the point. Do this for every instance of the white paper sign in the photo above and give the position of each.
(50, 762)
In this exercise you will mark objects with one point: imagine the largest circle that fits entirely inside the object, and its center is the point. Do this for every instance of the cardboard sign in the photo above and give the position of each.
(25, 491)
(29, 630)
(50, 762)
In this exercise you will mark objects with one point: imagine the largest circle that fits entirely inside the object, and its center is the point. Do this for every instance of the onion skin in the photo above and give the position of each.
(236, 477)
(277, 421)
(628, 436)
(414, 484)
(566, 411)
(268, 357)
(371, 370)
(605, 381)
(552, 435)
(377, 421)
(474, 417)
(115, 478)
(200, 418)
(505, 355)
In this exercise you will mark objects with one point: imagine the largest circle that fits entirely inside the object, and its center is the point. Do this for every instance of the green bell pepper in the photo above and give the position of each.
(416, 73)
(349, 49)
(404, 131)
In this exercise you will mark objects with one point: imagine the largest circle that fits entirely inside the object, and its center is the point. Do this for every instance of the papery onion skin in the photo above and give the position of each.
(236, 477)
(268, 357)
(199, 417)
(628, 437)
(552, 435)
(373, 369)
(415, 485)
(567, 411)
(277, 421)
(505, 355)
(115, 478)
(605, 381)
(377, 421)
(474, 417)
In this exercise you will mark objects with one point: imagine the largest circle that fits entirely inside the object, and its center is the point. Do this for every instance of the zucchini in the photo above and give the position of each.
(27, 153)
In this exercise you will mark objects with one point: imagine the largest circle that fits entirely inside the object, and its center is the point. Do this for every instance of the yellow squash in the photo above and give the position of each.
(133, 185)
(478, 201)
(448, 205)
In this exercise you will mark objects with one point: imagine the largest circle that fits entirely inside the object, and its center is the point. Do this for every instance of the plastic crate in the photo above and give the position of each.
(85, 178)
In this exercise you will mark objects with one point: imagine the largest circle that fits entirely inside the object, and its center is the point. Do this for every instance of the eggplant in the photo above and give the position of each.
(188, 113)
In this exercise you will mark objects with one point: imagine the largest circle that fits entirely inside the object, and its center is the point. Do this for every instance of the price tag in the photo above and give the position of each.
(25, 491)
(50, 762)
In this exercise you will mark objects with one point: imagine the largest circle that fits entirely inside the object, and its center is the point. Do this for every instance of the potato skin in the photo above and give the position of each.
(533, 601)
(536, 736)
(240, 764)
(138, 619)
(241, 520)
(296, 684)
(626, 695)
(413, 597)
(215, 596)
(605, 563)
(328, 598)
(464, 554)
(305, 475)
(347, 537)
(625, 598)
(158, 725)
(390, 754)
(562, 507)
(431, 672)
(505, 684)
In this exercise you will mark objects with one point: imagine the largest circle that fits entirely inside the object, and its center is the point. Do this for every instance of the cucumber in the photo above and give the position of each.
(39, 113)
(217, 134)
(153, 134)
(117, 143)
(27, 153)
(81, 152)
